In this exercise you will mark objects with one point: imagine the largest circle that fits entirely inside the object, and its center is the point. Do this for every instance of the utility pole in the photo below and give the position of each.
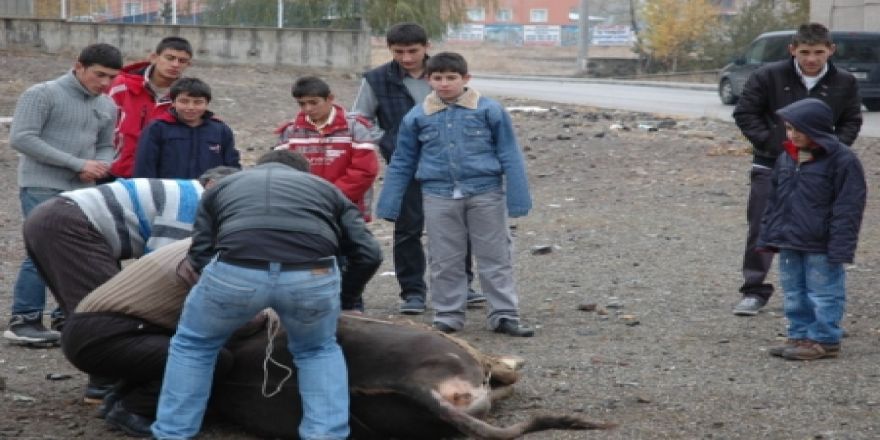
(280, 14)
(583, 59)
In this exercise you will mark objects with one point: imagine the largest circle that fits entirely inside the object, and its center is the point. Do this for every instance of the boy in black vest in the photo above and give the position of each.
(387, 93)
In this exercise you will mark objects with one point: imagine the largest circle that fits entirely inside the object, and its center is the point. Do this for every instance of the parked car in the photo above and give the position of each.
(857, 52)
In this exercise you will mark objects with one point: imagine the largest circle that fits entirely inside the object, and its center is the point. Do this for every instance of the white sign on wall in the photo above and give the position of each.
(542, 35)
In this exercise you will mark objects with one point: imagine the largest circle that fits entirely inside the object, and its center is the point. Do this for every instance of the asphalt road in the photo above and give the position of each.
(690, 100)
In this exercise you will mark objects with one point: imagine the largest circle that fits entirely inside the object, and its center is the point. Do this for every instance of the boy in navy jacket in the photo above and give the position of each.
(187, 140)
(812, 219)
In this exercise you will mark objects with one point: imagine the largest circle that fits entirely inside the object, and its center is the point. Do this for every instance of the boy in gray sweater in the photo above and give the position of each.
(63, 130)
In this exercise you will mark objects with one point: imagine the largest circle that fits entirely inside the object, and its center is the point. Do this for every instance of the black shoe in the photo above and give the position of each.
(130, 423)
(512, 327)
(441, 327)
(28, 329)
(413, 305)
(109, 401)
(98, 388)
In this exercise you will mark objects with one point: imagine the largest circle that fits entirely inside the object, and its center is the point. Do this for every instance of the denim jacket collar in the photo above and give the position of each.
(469, 99)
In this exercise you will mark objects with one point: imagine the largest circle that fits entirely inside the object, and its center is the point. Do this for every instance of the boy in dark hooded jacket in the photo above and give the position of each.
(812, 219)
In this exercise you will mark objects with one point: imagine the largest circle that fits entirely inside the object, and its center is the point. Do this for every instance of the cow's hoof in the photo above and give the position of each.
(439, 326)
(511, 327)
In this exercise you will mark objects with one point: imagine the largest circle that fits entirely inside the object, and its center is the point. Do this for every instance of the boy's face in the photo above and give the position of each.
(448, 85)
(95, 78)
(190, 109)
(811, 57)
(315, 107)
(798, 138)
(410, 56)
(169, 65)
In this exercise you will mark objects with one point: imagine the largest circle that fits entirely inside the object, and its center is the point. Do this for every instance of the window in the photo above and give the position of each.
(476, 14)
(538, 15)
(129, 9)
(504, 15)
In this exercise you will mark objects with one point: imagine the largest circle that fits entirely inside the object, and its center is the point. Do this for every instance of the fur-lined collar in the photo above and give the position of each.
(469, 99)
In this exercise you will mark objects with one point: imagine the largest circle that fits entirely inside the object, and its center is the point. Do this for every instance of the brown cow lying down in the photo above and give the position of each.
(406, 382)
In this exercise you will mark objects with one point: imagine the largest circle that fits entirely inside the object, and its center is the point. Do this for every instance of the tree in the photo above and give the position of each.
(434, 15)
(756, 18)
(673, 29)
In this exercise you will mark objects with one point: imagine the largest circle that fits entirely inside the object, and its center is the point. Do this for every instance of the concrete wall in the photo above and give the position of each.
(318, 48)
(847, 15)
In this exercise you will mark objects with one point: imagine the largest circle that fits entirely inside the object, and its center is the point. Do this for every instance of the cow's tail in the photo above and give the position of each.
(473, 427)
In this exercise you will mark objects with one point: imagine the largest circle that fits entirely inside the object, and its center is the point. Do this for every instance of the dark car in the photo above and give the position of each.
(857, 52)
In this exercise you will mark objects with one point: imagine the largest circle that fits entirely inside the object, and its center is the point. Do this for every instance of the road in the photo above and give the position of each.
(680, 101)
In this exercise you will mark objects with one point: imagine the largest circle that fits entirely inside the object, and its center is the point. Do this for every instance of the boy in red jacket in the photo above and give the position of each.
(141, 92)
(341, 148)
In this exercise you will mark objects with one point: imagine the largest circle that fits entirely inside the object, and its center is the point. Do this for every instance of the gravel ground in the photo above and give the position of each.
(646, 225)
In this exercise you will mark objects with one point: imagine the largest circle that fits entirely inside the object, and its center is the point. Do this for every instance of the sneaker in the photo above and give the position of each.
(749, 306)
(132, 424)
(780, 349)
(474, 298)
(811, 350)
(28, 330)
(513, 327)
(413, 305)
(442, 327)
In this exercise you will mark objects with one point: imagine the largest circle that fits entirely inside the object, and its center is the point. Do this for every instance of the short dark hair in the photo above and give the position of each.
(446, 62)
(406, 34)
(310, 86)
(812, 33)
(102, 54)
(216, 173)
(174, 43)
(290, 158)
(191, 86)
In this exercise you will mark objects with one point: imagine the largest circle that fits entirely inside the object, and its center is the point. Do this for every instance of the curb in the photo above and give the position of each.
(563, 80)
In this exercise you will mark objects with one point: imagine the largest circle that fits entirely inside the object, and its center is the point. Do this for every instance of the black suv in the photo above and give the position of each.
(857, 52)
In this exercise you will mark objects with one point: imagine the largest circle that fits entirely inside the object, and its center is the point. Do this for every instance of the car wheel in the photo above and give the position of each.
(725, 91)
(872, 104)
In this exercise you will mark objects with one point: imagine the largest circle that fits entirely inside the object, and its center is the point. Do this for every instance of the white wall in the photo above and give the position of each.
(320, 48)
(847, 15)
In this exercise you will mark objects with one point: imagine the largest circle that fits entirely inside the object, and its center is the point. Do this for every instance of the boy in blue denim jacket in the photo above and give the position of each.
(462, 149)
(812, 219)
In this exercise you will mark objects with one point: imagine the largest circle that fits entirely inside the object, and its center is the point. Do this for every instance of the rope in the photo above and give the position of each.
(272, 327)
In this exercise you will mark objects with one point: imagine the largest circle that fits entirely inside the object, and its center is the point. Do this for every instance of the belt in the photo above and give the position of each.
(324, 263)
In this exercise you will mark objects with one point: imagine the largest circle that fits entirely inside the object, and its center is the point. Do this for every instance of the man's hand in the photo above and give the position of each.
(93, 170)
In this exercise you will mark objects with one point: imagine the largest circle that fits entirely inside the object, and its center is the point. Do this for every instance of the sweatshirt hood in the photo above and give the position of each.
(814, 118)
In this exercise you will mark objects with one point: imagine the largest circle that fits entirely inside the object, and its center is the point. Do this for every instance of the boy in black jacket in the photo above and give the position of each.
(814, 211)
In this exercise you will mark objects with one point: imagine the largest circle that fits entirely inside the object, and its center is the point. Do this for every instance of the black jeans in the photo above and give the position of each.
(126, 348)
(757, 264)
(409, 254)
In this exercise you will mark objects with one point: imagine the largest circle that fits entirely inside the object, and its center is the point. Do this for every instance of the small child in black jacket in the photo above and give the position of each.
(812, 219)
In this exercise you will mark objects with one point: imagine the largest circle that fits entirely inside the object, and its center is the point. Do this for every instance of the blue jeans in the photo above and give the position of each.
(815, 295)
(227, 296)
(29, 293)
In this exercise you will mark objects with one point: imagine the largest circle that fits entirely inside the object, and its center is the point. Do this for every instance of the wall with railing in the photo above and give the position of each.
(318, 48)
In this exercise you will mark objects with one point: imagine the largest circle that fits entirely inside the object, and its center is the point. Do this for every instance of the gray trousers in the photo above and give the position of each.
(449, 224)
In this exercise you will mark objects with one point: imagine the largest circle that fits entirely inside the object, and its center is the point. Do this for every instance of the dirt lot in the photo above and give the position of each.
(649, 221)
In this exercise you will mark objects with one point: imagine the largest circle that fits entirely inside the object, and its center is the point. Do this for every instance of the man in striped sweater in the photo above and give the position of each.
(63, 132)
(78, 238)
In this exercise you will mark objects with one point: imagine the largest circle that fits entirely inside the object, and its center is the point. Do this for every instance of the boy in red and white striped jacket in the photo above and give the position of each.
(340, 147)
